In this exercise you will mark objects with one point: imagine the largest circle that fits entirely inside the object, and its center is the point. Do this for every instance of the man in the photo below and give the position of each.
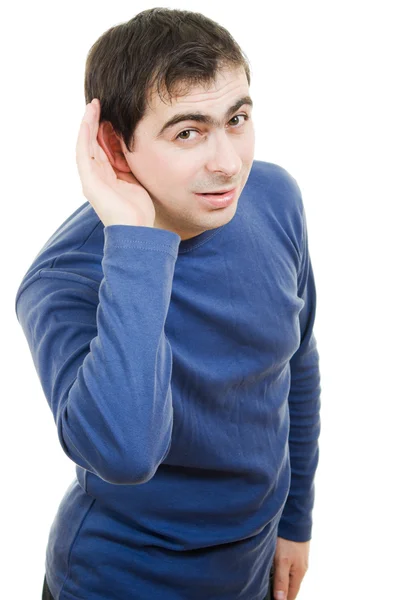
(170, 321)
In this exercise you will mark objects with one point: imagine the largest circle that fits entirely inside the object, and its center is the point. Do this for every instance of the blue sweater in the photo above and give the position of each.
(183, 378)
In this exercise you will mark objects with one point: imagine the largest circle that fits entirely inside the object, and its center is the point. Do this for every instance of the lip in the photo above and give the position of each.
(218, 191)
(218, 200)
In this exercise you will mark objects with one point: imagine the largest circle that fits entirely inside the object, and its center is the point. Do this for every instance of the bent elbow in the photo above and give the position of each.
(127, 476)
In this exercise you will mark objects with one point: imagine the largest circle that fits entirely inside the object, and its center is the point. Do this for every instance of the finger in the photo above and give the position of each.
(94, 126)
(83, 146)
(295, 580)
(85, 153)
(91, 118)
(281, 580)
(96, 149)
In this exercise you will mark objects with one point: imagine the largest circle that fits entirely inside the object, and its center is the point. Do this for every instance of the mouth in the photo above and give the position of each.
(218, 199)
(217, 193)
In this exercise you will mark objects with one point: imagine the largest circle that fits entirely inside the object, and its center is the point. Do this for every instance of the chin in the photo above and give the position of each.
(220, 217)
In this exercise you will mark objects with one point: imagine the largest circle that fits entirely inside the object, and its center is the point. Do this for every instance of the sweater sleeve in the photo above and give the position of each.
(101, 354)
(304, 409)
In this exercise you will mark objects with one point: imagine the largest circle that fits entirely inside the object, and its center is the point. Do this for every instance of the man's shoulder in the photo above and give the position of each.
(273, 176)
(74, 250)
(273, 188)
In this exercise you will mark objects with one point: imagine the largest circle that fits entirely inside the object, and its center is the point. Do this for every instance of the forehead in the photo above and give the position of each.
(216, 95)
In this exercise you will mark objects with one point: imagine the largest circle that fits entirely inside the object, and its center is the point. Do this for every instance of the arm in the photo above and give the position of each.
(103, 359)
(304, 409)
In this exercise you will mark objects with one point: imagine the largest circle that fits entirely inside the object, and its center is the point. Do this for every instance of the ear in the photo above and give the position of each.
(112, 146)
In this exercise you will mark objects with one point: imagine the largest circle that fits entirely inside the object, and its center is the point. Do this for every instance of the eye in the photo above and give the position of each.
(182, 132)
(184, 139)
(237, 116)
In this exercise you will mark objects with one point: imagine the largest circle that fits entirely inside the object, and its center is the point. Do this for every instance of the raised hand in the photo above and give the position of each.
(116, 196)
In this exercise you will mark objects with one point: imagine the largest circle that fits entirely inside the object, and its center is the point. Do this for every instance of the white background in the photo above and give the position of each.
(325, 86)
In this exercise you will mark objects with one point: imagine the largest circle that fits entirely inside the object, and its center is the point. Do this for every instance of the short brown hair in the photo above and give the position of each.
(160, 48)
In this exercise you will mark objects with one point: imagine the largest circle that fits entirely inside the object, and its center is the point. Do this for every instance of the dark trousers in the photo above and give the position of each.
(46, 595)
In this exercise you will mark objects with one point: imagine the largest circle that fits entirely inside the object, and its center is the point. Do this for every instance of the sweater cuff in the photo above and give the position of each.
(294, 531)
(144, 238)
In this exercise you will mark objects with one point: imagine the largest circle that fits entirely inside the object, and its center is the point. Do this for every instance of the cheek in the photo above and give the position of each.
(155, 171)
(179, 171)
(250, 143)
(171, 167)
(168, 177)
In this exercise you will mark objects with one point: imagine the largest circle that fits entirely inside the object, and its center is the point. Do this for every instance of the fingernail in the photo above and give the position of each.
(279, 595)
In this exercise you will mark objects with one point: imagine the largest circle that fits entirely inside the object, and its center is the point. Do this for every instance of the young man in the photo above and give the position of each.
(170, 321)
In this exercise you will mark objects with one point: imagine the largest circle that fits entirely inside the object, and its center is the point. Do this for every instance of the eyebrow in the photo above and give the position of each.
(202, 118)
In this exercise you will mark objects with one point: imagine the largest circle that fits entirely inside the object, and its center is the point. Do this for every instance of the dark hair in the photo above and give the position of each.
(159, 49)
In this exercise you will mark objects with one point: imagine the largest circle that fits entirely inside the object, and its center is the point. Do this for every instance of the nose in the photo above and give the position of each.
(223, 156)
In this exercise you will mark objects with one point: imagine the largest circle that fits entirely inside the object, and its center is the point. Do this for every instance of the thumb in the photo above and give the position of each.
(281, 580)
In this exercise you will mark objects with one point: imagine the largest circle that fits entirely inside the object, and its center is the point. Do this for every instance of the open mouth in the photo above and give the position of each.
(217, 193)
(218, 199)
